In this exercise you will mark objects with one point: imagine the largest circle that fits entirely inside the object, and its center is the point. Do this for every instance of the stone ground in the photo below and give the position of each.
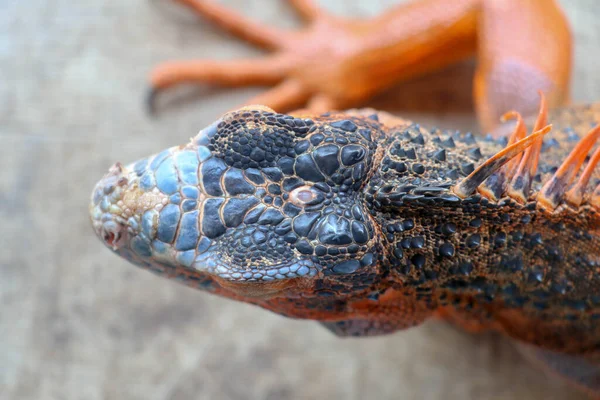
(78, 323)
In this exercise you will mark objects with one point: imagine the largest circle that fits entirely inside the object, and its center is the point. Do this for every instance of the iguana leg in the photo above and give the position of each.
(522, 46)
(306, 9)
(262, 71)
(258, 34)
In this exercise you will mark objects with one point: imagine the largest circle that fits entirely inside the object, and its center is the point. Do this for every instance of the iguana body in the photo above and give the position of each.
(368, 222)
(352, 219)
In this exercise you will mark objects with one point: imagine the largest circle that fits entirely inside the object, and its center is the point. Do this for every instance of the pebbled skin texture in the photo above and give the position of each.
(348, 218)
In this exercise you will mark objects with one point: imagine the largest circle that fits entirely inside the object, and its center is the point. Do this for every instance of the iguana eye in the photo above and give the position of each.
(306, 196)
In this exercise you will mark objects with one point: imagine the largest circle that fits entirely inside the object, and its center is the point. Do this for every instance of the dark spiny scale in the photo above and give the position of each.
(473, 240)
(418, 260)
(448, 143)
(446, 249)
(439, 155)
(467, 168)
(418, 139)
(475, 153)
(453, 174)
(469, 138)
(418, 168)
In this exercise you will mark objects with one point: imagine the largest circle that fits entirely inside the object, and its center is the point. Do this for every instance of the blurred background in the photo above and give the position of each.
(76, 322)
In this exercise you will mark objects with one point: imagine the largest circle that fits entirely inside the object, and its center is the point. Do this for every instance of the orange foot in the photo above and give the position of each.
(335, 63)
(298, 67)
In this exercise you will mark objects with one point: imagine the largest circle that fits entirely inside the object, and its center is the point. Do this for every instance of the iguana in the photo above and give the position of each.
(371, 223)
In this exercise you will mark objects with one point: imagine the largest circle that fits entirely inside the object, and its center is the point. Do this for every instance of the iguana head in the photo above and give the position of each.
(259, 203)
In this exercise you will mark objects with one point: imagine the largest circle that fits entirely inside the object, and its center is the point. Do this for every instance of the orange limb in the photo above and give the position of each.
(306, 9)
(342, 63)
(245, 29)
(524, 47)
(287, 95)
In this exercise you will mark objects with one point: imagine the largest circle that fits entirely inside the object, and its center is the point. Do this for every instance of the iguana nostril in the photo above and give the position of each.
(112, 233)
(109, 238)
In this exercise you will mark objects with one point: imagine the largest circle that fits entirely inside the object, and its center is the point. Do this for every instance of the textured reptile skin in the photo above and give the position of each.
(350, 219)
